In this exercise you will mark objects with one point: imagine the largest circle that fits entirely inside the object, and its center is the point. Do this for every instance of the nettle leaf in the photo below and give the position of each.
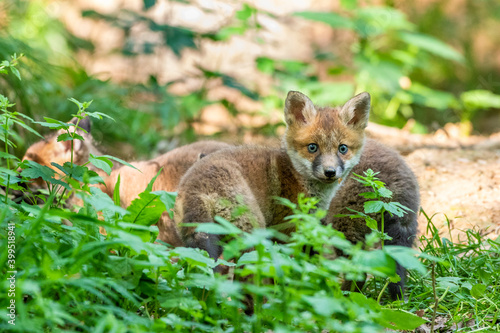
(369, 195)
(120, 161)
(101, 162)
(384, 192)
(149, 188)
(26, 127)
(324, 305)
(395, 208)
(145, 210)
(373, 206)
(35, 170)
(222, 227)
(399, 319)
(54, 124)
(168, 199)
(102, 202)
(406, 257)
(8, 156)
(371, 223)
(194, 256)
(70, 137)
(477, 291)
(376, 262)
(15, 71)
(116, 192)
(77, 171)
(98, 115)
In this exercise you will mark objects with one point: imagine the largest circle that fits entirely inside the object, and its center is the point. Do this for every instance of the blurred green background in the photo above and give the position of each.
(170, 72)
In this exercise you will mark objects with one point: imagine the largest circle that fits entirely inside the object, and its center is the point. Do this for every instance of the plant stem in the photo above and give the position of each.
(382, 291)
(436, 299)
(8, 160)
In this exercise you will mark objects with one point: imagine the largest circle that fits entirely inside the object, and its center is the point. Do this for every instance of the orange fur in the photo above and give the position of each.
(174, 163)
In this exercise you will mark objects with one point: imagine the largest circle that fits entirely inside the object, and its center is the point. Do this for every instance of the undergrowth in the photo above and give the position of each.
(59, 272)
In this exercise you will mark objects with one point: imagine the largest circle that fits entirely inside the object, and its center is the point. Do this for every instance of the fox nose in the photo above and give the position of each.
(330, 172)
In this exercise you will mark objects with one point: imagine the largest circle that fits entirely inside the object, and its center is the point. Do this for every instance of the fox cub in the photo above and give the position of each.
(174, 163)
(321, 145)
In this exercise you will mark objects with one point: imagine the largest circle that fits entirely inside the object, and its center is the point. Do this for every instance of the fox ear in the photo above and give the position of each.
(77, 144)
(298, 108)
(84, 123)
(356, 111)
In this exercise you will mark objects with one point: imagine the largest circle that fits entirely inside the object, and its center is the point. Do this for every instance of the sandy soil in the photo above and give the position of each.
(459, 178)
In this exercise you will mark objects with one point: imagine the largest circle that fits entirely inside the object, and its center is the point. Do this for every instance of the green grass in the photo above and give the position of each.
(59, 276)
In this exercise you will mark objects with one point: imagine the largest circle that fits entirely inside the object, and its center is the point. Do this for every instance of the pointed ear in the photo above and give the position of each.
(356, 111)
(298, 108)
(85, 124)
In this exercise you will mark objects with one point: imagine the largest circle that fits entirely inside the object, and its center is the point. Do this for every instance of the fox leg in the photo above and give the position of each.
(193, 206)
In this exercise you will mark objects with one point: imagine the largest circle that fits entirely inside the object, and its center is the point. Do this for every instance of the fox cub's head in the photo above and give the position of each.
(50, 150)
(325, 143)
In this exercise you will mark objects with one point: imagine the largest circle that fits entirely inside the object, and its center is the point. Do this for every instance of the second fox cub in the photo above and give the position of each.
(321, 146)
(173, 165)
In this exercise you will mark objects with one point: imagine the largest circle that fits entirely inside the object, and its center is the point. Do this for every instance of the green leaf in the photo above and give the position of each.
(373, 206)
(245, 13)
(26, 127)
(384, 192)
(98, 115)
(376, 262)
(69, 137)
(376, 20)
(194, 256)
(8, 156)
(368, 195)
(478, 291)
(371, 223)
(324, 305)
(116, 191)
(233, 83)
(431, 45)
(222, 227)
(168, 199)
(406, 257)
(102, 202)
(15, 71)
(480, 99)
(120, 161)
(102, 163)
(349, 4)
(399, 319)
(149, 188)
(149, 4)
(145, 210)
(332, 19)
(212, 228)
(54, 123)
(35, 170)
(392, 208)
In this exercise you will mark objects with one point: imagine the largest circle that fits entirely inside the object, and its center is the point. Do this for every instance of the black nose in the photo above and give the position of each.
(330, 172)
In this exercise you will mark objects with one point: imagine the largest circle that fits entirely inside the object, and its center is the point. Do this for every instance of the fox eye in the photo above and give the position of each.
(312, 148)
(343, 149)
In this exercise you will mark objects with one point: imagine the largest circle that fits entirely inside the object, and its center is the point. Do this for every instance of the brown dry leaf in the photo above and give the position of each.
(420, 313)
